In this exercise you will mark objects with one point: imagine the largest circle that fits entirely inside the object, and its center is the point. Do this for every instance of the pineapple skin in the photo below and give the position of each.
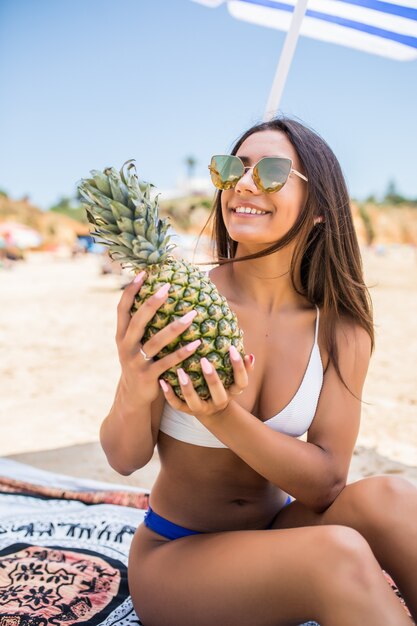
(215, 323)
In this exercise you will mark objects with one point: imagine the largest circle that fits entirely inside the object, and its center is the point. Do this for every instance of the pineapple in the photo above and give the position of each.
(126, 220)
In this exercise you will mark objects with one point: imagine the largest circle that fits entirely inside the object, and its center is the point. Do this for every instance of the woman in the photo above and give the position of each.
(248, 523)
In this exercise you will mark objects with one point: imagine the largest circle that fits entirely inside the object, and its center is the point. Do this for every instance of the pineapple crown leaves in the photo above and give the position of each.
(124, 217)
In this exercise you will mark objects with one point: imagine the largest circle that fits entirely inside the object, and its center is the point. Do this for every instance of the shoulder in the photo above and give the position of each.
(351, 338)
(220, 277)
(353, 349)
(217, 273)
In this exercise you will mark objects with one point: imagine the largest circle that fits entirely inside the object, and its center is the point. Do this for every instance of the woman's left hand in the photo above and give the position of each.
(220, 397)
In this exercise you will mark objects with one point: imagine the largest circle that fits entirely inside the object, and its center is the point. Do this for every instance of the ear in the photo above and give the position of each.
(317, 220)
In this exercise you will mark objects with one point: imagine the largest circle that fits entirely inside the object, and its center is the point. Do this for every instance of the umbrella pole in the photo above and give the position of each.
(285, 60)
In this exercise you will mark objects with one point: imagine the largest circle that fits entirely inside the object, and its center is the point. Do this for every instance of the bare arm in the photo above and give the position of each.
(313, 471)
(129, 432)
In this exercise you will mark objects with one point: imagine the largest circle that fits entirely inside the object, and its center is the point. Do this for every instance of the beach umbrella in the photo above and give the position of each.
(388, 29)
(19, 235)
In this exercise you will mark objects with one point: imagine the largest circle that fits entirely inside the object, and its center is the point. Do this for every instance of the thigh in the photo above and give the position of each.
(238, 578)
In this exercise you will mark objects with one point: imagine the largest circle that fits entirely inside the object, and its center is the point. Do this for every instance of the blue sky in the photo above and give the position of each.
(91, 83)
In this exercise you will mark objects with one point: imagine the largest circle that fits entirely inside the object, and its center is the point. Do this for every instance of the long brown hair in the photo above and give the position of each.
(326, 266)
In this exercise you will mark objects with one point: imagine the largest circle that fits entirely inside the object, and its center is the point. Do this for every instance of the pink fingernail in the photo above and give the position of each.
(139, 277)
(206, 366)
(164, 386)
(194, 344)
(234, 354)
(188, 317)
(182, 376)
(162, 292)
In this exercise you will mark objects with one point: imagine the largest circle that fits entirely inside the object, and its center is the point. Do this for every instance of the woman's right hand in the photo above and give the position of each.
(140, 376)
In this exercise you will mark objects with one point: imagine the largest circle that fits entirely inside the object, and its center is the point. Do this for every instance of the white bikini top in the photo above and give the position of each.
(294, 419)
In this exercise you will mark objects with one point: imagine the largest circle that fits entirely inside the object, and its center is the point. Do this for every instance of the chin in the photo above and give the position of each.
(252, 245)
(254, 239)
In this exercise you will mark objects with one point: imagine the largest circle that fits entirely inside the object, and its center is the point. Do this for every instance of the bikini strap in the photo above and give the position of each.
(316, 333)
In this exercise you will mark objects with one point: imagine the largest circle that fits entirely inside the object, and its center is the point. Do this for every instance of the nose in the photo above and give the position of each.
(246, 183)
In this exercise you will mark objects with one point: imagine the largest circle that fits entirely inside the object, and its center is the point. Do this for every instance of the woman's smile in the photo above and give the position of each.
(248, 211)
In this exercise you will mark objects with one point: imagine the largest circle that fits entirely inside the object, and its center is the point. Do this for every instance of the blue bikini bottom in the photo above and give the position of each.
(169, 530)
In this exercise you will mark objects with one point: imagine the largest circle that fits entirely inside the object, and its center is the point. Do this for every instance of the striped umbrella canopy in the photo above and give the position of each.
(388, 29)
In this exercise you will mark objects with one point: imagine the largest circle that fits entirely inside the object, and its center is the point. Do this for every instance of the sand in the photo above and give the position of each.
(59, 366)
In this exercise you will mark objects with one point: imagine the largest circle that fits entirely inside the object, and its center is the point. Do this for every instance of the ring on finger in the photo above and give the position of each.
(145, 356)
(236, 393)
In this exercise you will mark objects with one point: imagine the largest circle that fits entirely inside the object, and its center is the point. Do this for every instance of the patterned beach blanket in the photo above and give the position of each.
(64, 545)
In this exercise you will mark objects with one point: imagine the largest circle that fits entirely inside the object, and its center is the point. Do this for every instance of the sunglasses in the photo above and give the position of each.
(269, 174)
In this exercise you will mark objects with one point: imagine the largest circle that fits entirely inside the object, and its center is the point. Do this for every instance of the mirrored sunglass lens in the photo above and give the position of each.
(226, 171)
(273, 172)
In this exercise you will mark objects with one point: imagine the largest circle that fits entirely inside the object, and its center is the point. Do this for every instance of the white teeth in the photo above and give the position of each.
(242, 209)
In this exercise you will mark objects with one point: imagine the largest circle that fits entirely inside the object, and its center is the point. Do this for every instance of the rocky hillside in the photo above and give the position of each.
(55, 228)
(375, 224)
(384, 225)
